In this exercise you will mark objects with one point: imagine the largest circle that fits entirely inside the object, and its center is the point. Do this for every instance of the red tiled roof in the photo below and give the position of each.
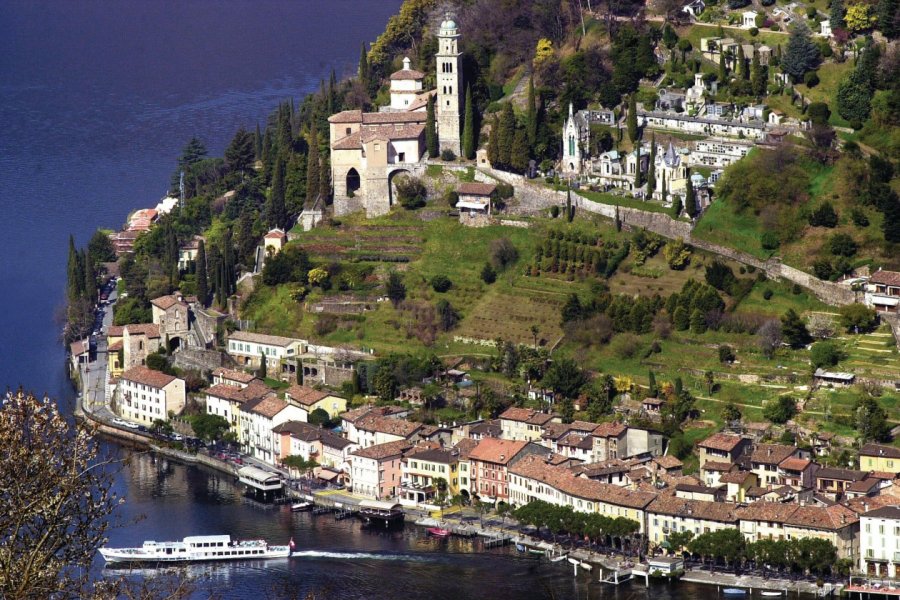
(377, 423)
(526, 415)
(773, 512)
(116, 346)
(166, 302)
(78, 347)
(495, 450)
(723, 512)
(465, 447)
(381, 118)
(771, 454)
(407, 74)
(609, 430)
(115, 331)
(306, 396)
(668, 462)
(395, 131)
(879, 450)
(233, 375)
(143, 375)
(149, 329)
(349, 142)
(275, 234)
(829, 518)
(268, 406)
(347, 116)
(795, 464)
(262, 338)
(737, 477)
(721, 441)
(474, 188)
(254, 391)
(382, 451)
(885, 278)
(717, 465)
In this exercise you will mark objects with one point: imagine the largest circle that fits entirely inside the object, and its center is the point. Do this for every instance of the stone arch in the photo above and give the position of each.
(391, 187)
(175, 342)
(353, 181)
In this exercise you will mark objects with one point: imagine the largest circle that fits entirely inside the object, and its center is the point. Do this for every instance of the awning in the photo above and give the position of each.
(884, 301)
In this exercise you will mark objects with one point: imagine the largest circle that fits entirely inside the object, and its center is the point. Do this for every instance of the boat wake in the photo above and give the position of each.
(357, 556)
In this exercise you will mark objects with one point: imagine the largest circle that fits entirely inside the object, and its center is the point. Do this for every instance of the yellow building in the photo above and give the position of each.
(421, 474)
(115, 349)
(310, 399)
(878, 457)
(669, 514)
(737, 482)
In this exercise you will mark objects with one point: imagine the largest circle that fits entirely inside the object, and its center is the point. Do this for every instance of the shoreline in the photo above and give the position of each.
(493, 536)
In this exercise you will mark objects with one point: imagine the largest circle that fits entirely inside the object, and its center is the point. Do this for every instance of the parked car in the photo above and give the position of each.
(120, 422)
(131, 425)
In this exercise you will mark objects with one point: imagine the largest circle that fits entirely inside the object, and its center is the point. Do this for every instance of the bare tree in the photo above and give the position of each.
(821, 326)
(769, 335)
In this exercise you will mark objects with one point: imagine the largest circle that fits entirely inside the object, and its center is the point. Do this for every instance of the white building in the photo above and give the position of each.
(748, 19)
(577, 137)
(879, 542)
(246, 348)
(716, 152)
(406, 86)
(146, 395)
(225, 400)
(753, 130)
(258, 418)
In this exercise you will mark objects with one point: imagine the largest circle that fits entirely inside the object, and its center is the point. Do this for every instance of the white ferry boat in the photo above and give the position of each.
(197, 548)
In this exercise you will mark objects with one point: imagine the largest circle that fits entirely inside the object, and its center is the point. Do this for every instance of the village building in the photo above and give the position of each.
(883, 291)
(610, 441)
(310, 399)
(226, 399)
(525, 424)
(717, 152)
(474, 204)
(765, 459)
(247, 349)
(376, 471)
(145, 395)
(722, 447)
(821, 377)
(670, 514)
(368, 150)
(374, 429)
(313, 443)
(576, 136)
(737, 483)
(429, 475)
(274, 241)
(232, 377)
(489, 463)
(173, 317)
(879, 544)
(702, 125)
(878, 457)
(187, 252)
(257, 419)
(834, 482)
(129, 345)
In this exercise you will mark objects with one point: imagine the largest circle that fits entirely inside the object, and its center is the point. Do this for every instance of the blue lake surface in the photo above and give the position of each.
(97, 98)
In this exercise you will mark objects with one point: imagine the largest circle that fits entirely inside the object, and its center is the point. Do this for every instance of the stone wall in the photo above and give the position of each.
(196, 358)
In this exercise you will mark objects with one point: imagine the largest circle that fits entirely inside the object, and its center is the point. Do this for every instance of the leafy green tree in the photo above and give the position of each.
(447, 315)
(801, 54)
(276, 214)
(780, 410)
(565, 378)
(651, 168)
(857, 318)
(871, 420)
(386, 384)
(676, 203)
(494, 143)
(836, 14)
(519, 156)
(631, 123)
(440, 283)
(731, 413)
(396, 291)
(690, 199)
(824, 216)
(100, 248)
(209, 427)
(698, 321)
(158, 362)
(794, 329)
(241, 151)
(411, 192)
(682, 319)
(825, 354)
(841, 244)
(363, 70)
(469, 132)
(319, 417)
(888, 18)
(431, 137)
(890, 225)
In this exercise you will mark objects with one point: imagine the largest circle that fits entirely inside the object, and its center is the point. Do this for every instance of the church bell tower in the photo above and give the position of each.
(449, 87)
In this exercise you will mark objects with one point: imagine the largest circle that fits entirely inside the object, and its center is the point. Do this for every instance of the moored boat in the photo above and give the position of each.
(559, 558)
(197, 548)
(301, 506)
(734, 591)
(439, 532)
(772, 593)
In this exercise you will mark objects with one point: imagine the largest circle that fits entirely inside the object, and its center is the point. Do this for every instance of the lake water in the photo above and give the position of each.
(96, 101)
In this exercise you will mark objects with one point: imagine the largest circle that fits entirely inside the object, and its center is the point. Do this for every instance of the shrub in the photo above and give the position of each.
(768, 294)
(625, 346)
(860, 219)
(824, 216)
(811, 12)
(811, 79)
(488, 274)
(726, 354)
(452, 197)
(822, 269)
(411, 192)
(825, 354)
(441, 283)
(841, 244)
(448, 155)
(554, 211)
(754, 31)
(796, 289)
(818, 113)
(780, 410)
(767, 2)
(502, 253)
(857, 317)
(769, 240)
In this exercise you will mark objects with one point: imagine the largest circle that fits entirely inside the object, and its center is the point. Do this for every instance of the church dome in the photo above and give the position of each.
(448, 24)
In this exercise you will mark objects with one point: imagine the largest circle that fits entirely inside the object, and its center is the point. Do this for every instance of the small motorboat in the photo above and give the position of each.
(772, 593)
(520, 548)
(559, 558)
(439, 532)
(734, 591)
(301, 506)
(537, 551)
(586, 566)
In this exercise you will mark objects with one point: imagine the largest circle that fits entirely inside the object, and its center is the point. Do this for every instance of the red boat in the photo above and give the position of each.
(439, 532)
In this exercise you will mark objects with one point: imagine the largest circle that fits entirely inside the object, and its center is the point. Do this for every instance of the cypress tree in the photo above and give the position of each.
(431, 137)
(662, 192)
(570, 211)
(363, 71)
(698, 322)
(275, 212)
(681, 319)
(74, 278)
(519, 155)
(676, 206)
(723, 72)
(258, 143)
(651, 168)
(507, 134)
(263, 370)
(202, 281)
(468, 140)
(757, 82)
(285, 138)
(324, 179)
(494, 143)
(531, 120)
(653, 391)
(690, 201)
(638, 176)
(312, 167)
(631, 119)
(837, 13)
(89, 288)
(332, 93)
(742, 63)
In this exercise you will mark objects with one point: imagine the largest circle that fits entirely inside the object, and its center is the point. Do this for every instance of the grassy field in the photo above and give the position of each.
(720, 224)
(613, 200)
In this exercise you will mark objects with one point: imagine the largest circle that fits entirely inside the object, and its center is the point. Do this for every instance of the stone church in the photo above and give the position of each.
(369, 149)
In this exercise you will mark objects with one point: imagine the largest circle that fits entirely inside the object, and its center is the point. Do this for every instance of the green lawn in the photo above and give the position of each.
(720, 224)
(650, 206)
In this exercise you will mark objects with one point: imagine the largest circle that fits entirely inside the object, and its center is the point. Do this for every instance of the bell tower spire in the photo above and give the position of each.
(449, 86)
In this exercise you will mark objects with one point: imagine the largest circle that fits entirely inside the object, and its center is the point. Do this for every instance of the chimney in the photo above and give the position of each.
(865, 507)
